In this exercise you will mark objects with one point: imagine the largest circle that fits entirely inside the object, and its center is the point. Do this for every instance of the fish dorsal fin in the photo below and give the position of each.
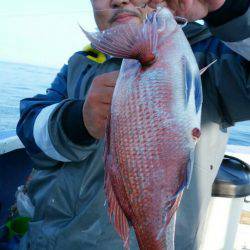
(115, 211)
(203, 70)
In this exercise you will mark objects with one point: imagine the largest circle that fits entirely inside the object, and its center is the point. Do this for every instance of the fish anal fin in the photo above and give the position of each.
(116, 213)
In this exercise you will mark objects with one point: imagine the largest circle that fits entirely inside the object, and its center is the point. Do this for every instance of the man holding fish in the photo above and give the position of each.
(64, 130)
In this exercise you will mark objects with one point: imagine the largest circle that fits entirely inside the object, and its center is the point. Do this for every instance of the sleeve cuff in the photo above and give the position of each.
(73, 125)
(42, 137)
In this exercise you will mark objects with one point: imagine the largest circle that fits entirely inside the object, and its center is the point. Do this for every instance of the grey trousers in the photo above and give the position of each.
(192, 212)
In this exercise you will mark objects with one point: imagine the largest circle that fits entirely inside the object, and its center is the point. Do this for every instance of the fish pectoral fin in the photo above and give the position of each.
(188, 79)
(115, 211)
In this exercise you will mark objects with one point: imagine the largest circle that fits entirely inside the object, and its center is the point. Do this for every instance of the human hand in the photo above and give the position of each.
(190, 9)
(96, 108)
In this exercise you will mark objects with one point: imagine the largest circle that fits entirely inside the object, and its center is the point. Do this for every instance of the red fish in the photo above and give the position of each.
(153, 127)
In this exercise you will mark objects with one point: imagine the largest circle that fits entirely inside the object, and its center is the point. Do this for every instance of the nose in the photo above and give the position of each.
(119, 3)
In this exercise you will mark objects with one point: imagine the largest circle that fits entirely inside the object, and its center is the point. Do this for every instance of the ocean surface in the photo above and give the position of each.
(18, 81)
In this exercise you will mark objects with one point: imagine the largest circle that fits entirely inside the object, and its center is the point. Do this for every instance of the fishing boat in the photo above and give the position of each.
(230, 191)
(15, 167)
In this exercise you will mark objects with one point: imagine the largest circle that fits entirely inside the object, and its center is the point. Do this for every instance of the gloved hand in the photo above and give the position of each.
(190, 9)
(96, 108)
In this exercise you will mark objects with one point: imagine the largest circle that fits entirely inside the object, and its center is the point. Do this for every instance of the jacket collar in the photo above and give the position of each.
(196, 32)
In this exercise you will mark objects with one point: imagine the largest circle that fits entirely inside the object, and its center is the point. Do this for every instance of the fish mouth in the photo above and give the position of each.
(123, 16)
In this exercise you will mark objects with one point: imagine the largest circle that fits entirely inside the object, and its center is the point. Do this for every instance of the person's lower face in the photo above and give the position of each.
(109, 13)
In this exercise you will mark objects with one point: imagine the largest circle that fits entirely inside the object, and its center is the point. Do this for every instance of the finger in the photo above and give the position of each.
(179, 6)
(105, 95)
(108, 79)
(99, 131)
(103, 111)
(111, 79)
(153, 3)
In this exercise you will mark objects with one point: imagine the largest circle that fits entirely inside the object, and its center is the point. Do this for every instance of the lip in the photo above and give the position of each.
(123, 17)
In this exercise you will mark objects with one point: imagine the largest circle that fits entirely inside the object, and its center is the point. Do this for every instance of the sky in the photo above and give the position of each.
(43, 32)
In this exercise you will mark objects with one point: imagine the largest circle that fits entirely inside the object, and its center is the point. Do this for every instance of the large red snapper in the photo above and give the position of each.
(153, 127)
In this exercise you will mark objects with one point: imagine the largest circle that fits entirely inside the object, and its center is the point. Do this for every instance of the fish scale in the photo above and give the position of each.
(155, 116)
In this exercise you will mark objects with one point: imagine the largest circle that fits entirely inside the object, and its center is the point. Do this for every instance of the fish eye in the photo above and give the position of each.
(181, 21)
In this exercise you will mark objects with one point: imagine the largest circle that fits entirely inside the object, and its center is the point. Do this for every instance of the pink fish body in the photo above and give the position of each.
(153, 128)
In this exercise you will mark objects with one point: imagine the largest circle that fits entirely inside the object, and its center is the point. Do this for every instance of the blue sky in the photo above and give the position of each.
(43, 32)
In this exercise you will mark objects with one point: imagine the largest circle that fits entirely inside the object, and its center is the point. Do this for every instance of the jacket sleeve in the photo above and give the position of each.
(226, 84)
(51, 126)
(229, 78)
(231, 24)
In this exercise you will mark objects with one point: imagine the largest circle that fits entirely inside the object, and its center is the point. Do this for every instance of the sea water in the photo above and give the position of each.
(18, 81)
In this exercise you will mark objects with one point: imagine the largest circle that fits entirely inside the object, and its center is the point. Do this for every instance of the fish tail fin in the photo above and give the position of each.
(120, 220)
(128, 41)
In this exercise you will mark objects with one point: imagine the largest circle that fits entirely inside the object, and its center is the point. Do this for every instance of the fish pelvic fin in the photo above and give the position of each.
(129, 41)
(115, 211)
(203, 70)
